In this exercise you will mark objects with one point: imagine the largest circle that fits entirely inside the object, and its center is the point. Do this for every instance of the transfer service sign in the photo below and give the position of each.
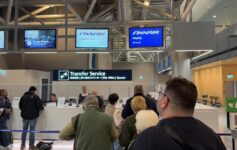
(92, 75)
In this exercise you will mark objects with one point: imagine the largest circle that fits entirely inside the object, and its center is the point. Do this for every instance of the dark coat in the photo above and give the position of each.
(30, 105)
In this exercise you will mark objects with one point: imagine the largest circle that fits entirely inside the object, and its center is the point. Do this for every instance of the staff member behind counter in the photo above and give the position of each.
(52, 99)
(83, 95)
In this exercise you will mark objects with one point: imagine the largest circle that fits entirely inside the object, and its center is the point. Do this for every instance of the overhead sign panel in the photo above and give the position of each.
(146, 37)
(92, 38)
(92, 75)
(2, 39)
(43, 38)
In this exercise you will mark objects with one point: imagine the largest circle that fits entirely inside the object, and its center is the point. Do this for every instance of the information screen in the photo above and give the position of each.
(92, 75)
(2, 41)
(92, 38)
(45, 38)
(146, 37)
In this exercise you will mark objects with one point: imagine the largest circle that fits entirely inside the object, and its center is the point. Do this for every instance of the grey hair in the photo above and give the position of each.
(138, 89)
(90, 100)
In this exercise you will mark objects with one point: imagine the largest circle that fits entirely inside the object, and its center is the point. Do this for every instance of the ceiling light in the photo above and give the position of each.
(40, 52)
(146, 3)
(1, 53)
(205, 50)
(92, 52)
(202, 55)
(214, 16)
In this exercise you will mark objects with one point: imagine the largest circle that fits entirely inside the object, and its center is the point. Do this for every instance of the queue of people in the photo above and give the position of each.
(140, 125)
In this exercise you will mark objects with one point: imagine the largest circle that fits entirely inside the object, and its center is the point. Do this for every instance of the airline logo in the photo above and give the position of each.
(151, 32)
(83, 33)
(63, 75)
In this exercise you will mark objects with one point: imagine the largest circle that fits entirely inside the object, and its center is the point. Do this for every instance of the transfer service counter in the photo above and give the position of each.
(53, 118)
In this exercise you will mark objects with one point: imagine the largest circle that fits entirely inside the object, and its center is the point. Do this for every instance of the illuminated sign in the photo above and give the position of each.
(1, 39)
(92, 75)
(230, 76)
(92, 38)
(146, 37)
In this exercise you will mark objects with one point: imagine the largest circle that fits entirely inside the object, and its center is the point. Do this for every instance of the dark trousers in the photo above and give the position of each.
(5, 138)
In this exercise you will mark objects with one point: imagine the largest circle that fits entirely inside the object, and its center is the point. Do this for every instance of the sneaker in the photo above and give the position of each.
(22, 148)
(33, 148)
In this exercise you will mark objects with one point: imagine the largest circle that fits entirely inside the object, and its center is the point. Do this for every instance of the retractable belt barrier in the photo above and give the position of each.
(34, 131)
(224, 134)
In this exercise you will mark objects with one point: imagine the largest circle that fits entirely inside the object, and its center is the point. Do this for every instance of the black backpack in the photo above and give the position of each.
(44, 145)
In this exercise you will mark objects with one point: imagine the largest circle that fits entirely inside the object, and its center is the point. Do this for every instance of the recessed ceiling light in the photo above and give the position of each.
(146, 3)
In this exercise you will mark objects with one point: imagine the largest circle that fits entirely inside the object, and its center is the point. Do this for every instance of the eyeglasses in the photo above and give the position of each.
(163, 94)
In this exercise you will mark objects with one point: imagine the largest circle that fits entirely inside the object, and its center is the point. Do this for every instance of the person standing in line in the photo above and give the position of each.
(114, 113)
(30, 106)
(5, 142)
(178, 129)
(8, 112)
(129, 131)
(100, 100)
(138, 91)
(92, 130)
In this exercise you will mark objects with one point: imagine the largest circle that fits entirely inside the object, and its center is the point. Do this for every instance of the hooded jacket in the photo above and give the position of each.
(30, 105)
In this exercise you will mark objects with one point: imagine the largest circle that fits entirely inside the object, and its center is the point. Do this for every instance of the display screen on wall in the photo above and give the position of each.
(44, 38)
(2, 40)
(146, 37)
(92, 75)
(92, 38)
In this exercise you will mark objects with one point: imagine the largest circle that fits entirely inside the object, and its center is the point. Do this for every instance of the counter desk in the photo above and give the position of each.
(53, 118)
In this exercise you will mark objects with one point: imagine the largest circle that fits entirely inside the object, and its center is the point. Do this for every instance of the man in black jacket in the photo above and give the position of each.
(138, 91)
(178, 130)
(30, 105)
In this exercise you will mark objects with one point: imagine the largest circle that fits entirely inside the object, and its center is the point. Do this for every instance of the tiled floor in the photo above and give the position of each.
(68, 145)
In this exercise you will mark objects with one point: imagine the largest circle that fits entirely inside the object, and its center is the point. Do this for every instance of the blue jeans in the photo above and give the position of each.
(4, 136)
(26, 124)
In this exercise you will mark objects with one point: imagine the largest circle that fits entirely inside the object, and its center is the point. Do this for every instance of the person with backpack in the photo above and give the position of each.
(30, 106)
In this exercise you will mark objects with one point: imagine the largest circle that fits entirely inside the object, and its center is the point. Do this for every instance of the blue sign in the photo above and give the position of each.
(45, 38)
(92, 38)
(1, 39)
(92, 75)
(146, 37)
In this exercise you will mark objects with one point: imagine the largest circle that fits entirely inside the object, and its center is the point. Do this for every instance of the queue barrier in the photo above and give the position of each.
(32, 131)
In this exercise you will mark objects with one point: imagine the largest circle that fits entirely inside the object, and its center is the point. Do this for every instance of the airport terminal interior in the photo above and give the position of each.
(110, 46)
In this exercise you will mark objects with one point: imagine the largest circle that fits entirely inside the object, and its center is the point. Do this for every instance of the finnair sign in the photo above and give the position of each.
(146, 37)
(92, 33)
(146, 32)
(92, 38)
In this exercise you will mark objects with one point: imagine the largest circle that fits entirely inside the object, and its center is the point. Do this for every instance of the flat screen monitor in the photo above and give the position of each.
(92, 38)
(2, 40)
(146, 37)
(43, 38)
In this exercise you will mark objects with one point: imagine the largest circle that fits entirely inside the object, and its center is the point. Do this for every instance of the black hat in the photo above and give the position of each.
(32, 89)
